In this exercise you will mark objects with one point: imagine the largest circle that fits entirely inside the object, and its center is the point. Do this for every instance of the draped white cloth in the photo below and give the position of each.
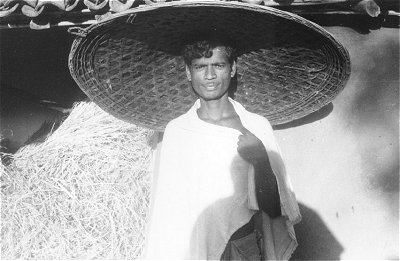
(203, 191)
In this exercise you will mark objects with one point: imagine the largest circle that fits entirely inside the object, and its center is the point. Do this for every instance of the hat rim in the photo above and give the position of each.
(130, 14)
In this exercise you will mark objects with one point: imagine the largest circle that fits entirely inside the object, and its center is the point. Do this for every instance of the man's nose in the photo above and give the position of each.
(210, 72)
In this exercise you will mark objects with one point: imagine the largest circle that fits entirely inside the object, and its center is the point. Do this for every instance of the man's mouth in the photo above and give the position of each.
(210, 86)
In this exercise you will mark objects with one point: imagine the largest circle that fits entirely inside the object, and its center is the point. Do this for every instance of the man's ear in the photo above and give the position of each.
(233, 69)
(188, 75)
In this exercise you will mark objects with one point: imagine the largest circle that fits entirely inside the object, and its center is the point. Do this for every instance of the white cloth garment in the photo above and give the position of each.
(203, 191)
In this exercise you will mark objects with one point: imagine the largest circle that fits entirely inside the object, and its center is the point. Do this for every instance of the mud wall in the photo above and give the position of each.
(345, 166)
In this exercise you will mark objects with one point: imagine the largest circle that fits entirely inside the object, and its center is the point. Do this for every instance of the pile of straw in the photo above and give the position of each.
(81, 194)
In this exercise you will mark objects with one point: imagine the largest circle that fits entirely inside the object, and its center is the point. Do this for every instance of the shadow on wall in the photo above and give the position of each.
(25, 118)
(36, 62)
(374, 112)
(315, 240)
(315, 116)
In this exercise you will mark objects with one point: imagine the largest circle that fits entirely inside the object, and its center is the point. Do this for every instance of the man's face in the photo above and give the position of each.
(210, 77)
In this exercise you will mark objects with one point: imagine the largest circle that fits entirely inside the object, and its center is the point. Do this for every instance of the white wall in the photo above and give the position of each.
(345, 167)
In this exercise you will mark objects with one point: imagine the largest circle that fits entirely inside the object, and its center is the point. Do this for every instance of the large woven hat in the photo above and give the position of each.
(130, 63)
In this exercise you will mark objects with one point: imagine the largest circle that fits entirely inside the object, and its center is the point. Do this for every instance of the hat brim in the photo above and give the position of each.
(130, 63)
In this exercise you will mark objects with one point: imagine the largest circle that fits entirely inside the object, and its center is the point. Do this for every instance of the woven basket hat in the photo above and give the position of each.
(130, 64)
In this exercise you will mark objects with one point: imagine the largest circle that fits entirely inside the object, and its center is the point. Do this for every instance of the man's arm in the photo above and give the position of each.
(252, 149)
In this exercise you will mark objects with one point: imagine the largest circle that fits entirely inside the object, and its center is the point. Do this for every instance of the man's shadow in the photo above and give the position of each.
(315, 240)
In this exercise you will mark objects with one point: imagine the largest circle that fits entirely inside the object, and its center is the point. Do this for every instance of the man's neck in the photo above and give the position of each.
(216, 110)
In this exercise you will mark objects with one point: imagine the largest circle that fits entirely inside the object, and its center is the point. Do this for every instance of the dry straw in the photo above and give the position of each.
(81, 194)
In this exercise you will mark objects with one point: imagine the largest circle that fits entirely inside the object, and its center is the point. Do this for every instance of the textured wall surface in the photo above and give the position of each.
(345, 166)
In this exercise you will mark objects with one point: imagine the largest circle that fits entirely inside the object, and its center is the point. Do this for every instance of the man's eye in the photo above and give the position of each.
(198, 67)
(220, 66)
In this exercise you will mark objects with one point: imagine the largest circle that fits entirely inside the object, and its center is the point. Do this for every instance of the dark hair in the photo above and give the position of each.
(202, 44)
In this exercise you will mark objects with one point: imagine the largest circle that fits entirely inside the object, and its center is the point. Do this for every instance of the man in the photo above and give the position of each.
(205, 200)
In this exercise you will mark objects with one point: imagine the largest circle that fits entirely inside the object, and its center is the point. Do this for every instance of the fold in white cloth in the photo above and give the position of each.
(203, 191)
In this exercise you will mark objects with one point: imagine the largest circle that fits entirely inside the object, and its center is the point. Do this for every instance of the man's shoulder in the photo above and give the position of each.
(254, 116)
(254, 119)
(179, 121)
(257, 117)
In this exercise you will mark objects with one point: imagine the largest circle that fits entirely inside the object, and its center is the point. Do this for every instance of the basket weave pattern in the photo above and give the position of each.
(131, 67)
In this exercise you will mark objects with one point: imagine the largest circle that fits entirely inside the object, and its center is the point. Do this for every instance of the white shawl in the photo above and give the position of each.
(203, 191)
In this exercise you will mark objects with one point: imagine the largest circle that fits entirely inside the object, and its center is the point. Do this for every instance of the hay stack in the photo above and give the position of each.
(81, 194)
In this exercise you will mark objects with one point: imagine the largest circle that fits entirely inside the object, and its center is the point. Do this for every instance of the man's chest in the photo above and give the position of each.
(215, 165)
(233, 121)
